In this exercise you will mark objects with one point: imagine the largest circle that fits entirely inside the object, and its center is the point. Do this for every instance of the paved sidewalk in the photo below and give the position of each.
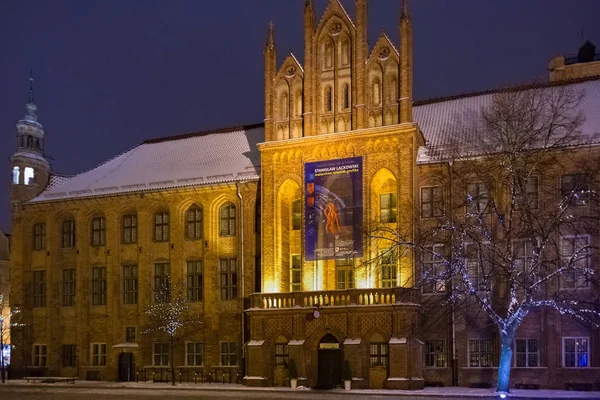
(427, 393)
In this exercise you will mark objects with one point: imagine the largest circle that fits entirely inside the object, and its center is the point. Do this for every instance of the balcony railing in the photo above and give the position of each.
(329, 298)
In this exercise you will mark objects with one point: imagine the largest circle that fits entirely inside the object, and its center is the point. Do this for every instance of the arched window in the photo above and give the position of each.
(161, 226)
(328, 99)
(16, 174)
(376, 92)
(28, 176)
(98, 231)
(227, 220)
(68, 233)
(298, 103)
(129, 228)
(346, 96)
(345, 52)
(296, 215)
(328, 55)
(29, 141)
(284, 106)
(193, 223)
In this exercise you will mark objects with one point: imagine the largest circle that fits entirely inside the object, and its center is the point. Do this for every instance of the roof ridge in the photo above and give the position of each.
(505, 89)
(203, 133)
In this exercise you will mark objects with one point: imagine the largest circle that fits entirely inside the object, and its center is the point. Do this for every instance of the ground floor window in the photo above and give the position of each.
(98, 354)
(281, 354)
(228, 353)
(39, 355)
(194, 353)
(161, 354)
(480, 353)
(527, 353)
(69, 356)
(435, 353)
(378, 354)
(576, 352)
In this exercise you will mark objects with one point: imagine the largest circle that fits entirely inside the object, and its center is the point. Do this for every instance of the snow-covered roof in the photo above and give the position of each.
(221, 156)
(439, 119)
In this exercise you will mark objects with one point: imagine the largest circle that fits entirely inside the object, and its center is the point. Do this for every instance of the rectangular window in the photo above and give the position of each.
(281, 354)
(387, 208)
(161, 353)
(39, 236)
(389, 273)
(432, 202)
(435, 353)
(477, 198)
(162, 282)
(130, 334)
(530, 197)
(296, 215)
(98, 286)
(68, 287)
(130, 284)
(193, 223)
(39, 288)
(68, 234)
(194, 353)
(480, 353)
(69, 355)
(296, 273)
(228, 353)
(575, 252)
(523, 254)
(575, 188)
(379, 354)
(344, 272)
(227, 220)
(129, 229)
(576, 352)
(39, 355)
(98, 354)
(161, 227)
(98, 231)
(229, 278)
(194, 281)
(432, 268)
(527, 353)
(476, 262)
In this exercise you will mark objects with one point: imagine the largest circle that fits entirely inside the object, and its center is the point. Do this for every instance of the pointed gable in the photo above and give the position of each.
(384, 49)
(335, 9)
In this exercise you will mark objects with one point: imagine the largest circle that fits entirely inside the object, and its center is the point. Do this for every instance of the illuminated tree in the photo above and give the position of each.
(5, 326)
(513, 228)
(170, 314)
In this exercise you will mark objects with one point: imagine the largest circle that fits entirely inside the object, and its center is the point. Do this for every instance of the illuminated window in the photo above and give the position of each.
(435, 353)
(28, 177)
(99, 286)
(281, 354)
(378, 354)
(432, 204)
(39, 236)
(296, 215)
(160, 356)
(193, 223)
(161, 226)
(194, 353)
(68, 287)
(129, 228)
(229, 278)
(194, 280)
(227, 220)
(388, 269)
(16, 173)
(576, 352)
(98, 231)
(387, 207)
(68, 233)
(344, 271)
(480, 353)
(130, 284)
(527, 353)
(162, 282)
(296, 273)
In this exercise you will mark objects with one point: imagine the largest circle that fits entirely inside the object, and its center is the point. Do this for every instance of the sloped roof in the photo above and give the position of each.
(439, 118)
(221, 156)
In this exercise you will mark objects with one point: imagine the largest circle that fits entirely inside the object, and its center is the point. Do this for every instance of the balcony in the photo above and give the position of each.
(332, 298)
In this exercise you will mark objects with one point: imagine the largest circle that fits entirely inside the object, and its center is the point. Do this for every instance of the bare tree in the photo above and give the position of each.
(514, 227)
(170, 314)
(5, 326)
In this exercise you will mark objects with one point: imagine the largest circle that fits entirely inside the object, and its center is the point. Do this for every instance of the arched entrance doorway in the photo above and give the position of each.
(126, 367)
(330, 363)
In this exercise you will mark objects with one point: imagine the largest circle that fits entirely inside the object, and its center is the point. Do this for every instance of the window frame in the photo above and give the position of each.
(164, 225)
(69, 355)
(228, 278)
(389, 268)
(345, 266)
(162, 282)
(480, 353)
(129, 335)
(436, 204)
(39, 236)
(438, 286)
(195, 354)
(99, 286)
(282, 353)
(68, 287)
(474, 205)
(129, 225)
(433, 356)
(98, 231)
(391, 211)
(68, 234)
(196, 224)
(229, 219)
(527, 353)
(159, 354)
(379, 354)
(229, 354)
(295, 270)
(39, 288)
(195, 280)
(580, 179)
(529, 194)
(575, 352)
(39, 358)
(130, 283)
(296, 215)
(577, 275)
(98, 354)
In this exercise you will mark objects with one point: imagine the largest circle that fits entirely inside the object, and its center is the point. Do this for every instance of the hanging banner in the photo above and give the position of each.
(333, 209)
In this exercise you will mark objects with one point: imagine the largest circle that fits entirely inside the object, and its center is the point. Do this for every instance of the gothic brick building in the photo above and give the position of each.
(264, 225)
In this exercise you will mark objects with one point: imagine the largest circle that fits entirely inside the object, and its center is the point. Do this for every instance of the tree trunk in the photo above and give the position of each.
(505, 360)
(172, 364)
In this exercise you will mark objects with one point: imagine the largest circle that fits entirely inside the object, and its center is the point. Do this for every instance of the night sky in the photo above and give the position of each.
(109, 74)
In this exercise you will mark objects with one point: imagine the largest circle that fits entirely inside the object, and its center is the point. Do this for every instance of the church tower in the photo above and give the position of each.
(30, 170)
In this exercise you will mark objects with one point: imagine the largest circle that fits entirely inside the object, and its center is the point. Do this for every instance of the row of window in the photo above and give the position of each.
(575, 353)
(129, 228)
(194, 354)
(228, 281)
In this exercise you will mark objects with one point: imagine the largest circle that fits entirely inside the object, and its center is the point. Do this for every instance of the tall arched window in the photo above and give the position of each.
(16, 174)
(346, 96)
(161, 226)
(68, 233)
(284, 106)
(193, 223)
(376, 92)
(28, 176)
(328, 99)
(227, 220)
(328, 55)
(98, 234)
(129, 228)
(345, 52)
(298, 103)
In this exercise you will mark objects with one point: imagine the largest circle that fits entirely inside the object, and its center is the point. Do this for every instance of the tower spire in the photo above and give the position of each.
(271, 35)
(404, 10)
(31, 98)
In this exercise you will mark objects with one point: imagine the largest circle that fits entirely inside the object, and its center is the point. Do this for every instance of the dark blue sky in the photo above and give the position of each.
(112, 73)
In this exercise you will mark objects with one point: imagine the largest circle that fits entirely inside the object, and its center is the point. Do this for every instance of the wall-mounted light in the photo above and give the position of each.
(140, 249)
(206, 244)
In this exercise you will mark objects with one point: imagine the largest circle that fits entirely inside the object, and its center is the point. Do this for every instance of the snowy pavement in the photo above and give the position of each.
(114, 390)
